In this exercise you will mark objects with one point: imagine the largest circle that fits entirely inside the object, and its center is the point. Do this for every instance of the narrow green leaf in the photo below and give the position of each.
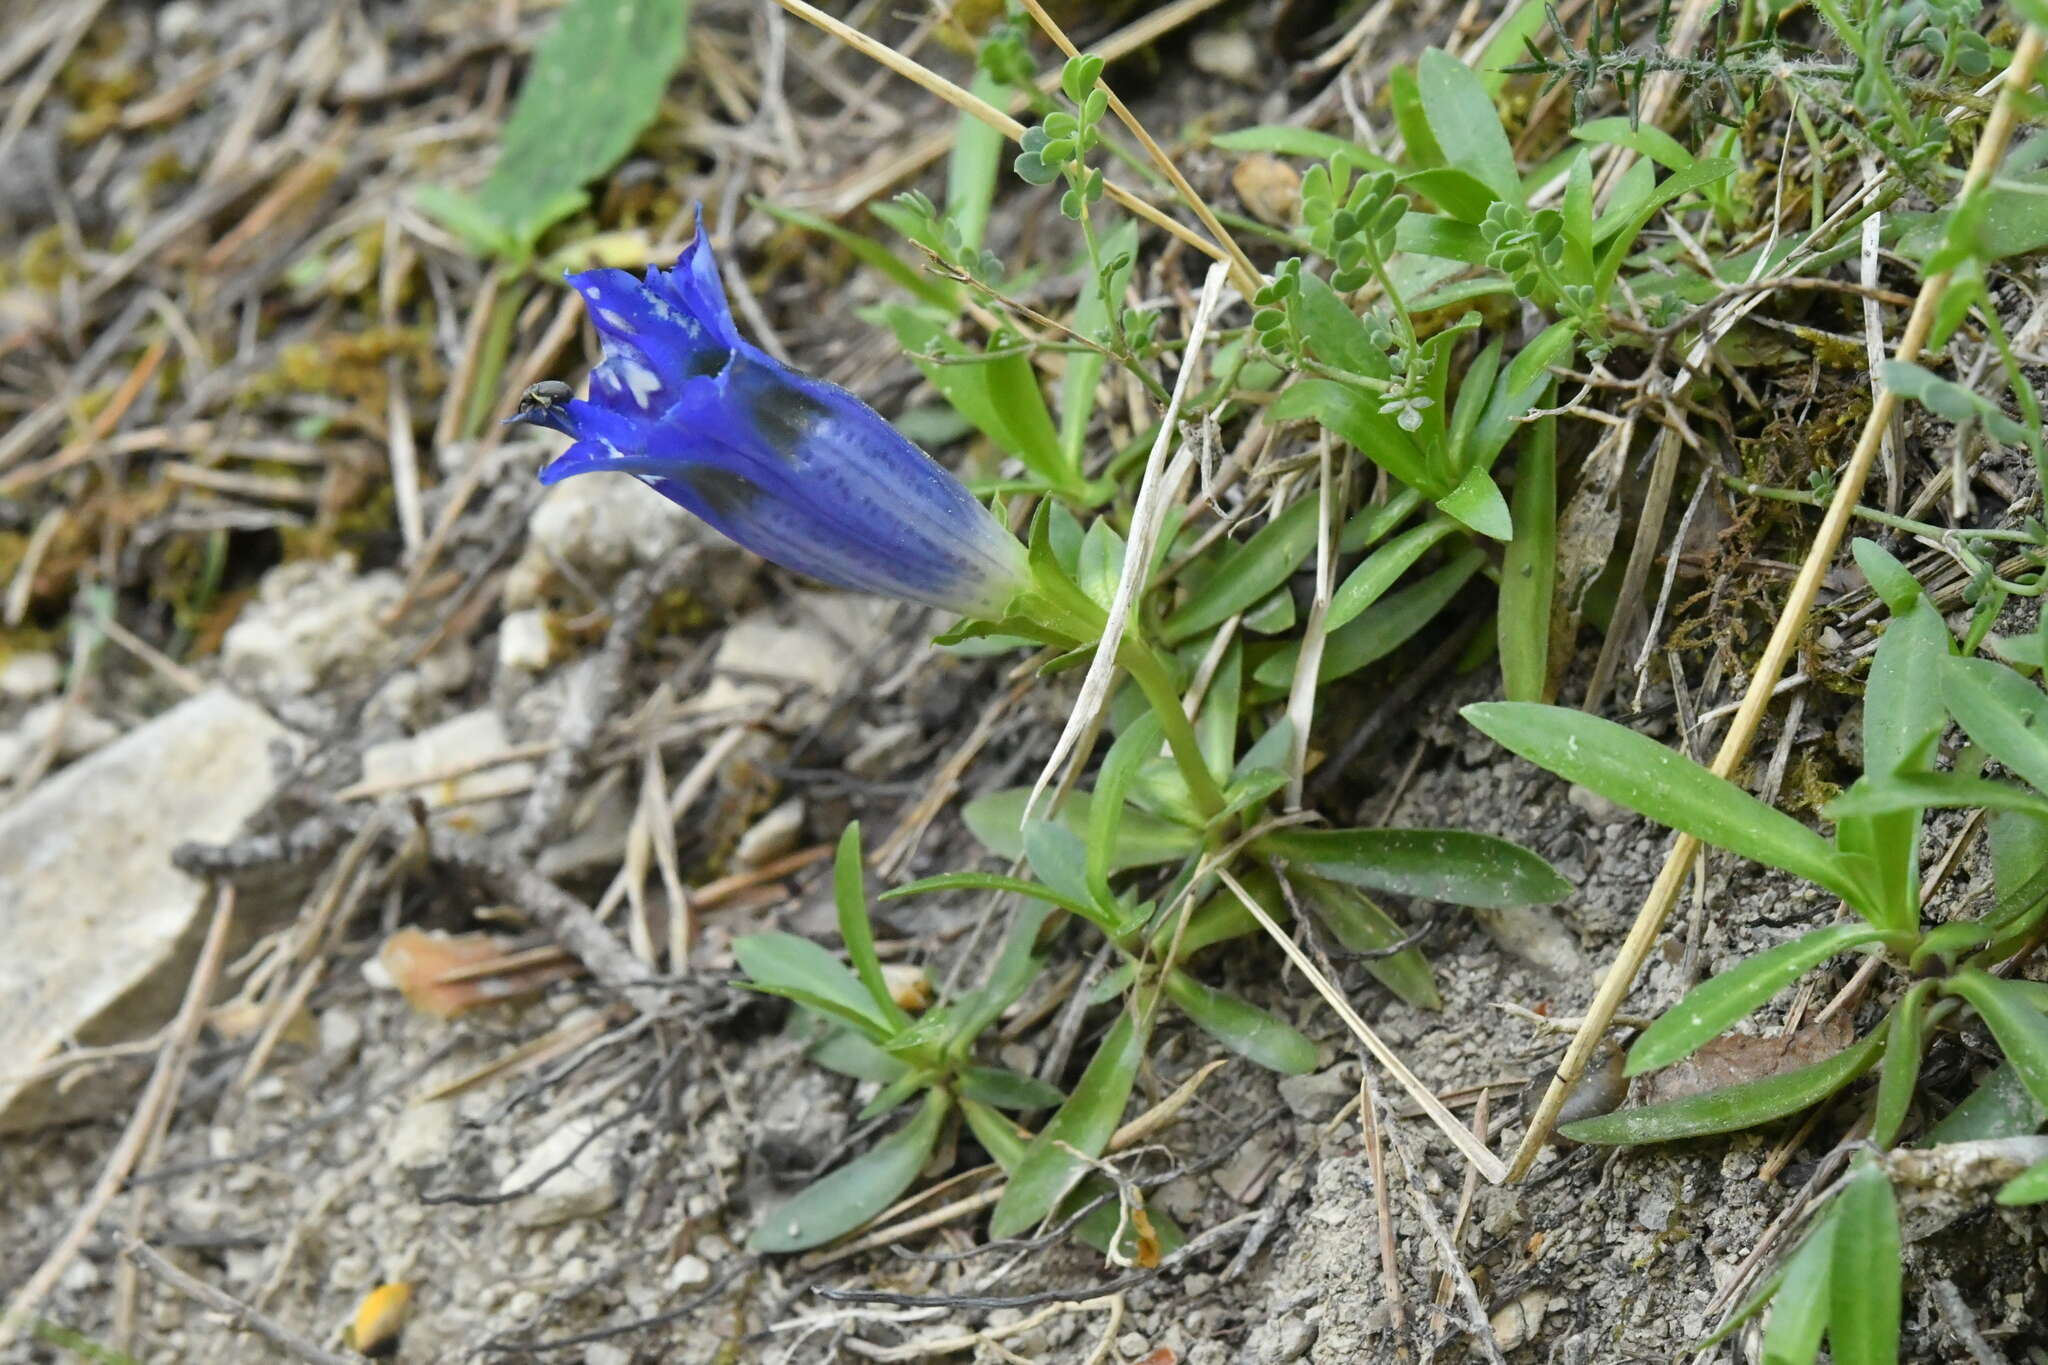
(2001, 711)
(1464, 123)
(1710, 1007)
(1865, 1275)
(1380, 570)
(2028, 1187)
(1799, 1311)
(857, 1191)
(1683, 182)
(1901, 1071)
(1142, 840)
(1245, 573)
(1999, 1107)
(1362, 927)
(1335, 333)
(1092, 312)
(1006, 1089)
(850, 896)
(847, 1053)
(1871, 797)
(1404, 94)
(928, 289)
(1889, 579)
(786, 965)
(1645, 138)
(1282, 139)
(1354, 415)
(1732, 1107)
(1435, 864)
(1528, 571)
(1457, 192)
(1015, 967)
(999, 393)
(988, 881)
(1085, 1123)
(1242, 1027)
(595, 83)
(1641, 774)
(2021, 1030)
(1059, 858)
(1106, 811)
(972, 169)
(1381, 629)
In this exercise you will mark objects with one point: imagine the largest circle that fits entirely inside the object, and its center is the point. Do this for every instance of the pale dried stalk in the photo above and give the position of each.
(1642, 936)
(161, 1091)
(1156, 492)
(968, 103)
(1244, 274)
(1474, 1151)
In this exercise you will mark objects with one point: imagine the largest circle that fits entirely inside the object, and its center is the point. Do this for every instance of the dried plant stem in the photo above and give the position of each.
(161, 1091)
(1243, 273)
(1642, 937)
(969, 103)
(1474, 1151)
(244, 1316)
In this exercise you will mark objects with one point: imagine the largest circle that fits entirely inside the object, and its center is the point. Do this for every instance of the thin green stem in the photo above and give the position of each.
(1149, 671)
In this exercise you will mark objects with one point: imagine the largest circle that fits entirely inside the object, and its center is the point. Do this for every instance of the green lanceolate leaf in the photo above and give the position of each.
(798, 969)
(1380, 629)
(1085, 1122)
(857, 1191)
(1435, 864)
(1641, 774)
(1248, 572)
(850, 894)
(927, 289)
(1015, 966)
(1354, 415)
(2021, 1030)
(1799, 1311)
(1864, 1277)
(1362, 927)
(1901, 1073)
(1528, 571)
(596, 81)
(1142, 840)
(1645, 138)
(2003, 712)
(1242, 1027)
(1138, 742)
(988, 881)
(1006, 1089)
(1710, 1007)
(2028, 1187)
(1732, 1107)
(1680, 183)
(1999, 1107)
(1464, 124)
(1369, 582)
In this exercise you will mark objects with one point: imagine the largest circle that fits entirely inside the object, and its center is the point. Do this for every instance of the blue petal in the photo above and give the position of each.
(799, 471)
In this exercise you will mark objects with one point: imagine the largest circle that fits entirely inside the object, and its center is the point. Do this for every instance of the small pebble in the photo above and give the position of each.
(29, 675)
(691, 1272)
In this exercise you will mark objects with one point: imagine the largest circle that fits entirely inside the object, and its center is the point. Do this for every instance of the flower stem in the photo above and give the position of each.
(1149, 671)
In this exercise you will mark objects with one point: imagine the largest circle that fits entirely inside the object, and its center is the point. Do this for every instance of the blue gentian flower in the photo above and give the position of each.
(797, 470)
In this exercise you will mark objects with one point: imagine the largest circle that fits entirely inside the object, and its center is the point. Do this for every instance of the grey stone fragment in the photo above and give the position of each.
(101, 930)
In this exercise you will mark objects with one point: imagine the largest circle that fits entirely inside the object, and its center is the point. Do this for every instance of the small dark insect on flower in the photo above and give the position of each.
(799, 471)
(546, 403)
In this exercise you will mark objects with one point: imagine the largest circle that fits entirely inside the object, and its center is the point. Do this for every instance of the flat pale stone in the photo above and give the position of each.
(447, 747)
(100, 929)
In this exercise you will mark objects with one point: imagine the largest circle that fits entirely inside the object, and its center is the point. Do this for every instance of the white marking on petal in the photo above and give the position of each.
(614, 321)
(643, 382)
